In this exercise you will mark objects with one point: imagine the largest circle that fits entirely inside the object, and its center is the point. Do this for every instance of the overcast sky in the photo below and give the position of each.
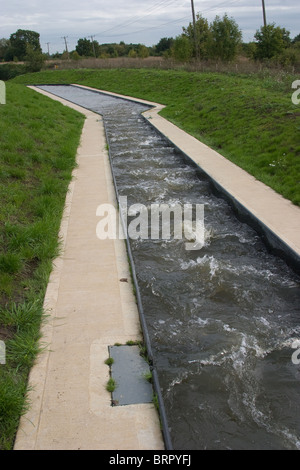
(134, 21)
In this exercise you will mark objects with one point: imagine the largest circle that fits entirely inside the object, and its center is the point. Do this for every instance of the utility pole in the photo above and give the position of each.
(264, 13)
(66, 44)
(92, 38)
(48, 48)
(195, 34)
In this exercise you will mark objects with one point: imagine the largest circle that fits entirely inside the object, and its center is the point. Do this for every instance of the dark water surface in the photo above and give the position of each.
(221, 319)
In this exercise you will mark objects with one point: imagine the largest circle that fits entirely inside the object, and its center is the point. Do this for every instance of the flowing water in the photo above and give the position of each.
(222, 319)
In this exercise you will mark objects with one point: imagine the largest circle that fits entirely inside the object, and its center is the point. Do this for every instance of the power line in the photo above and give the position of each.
(133, 20)
(137, 18)
(148, 11)
(179, 20)
(166, 23)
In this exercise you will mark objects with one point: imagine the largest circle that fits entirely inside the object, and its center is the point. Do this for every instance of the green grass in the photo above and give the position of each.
(109, 361)
(250, 119)
(38, 145)
(111, 385)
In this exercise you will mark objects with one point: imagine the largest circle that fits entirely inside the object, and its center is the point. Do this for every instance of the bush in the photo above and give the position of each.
(225, 38)
(34, 59)
(182, 49)
(289, 57)
(8, 71)
(202, 39)
(143, 51)
(220, 40)
(271, 41)
(75, 55)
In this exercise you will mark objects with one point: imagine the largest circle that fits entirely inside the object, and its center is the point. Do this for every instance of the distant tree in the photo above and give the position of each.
(182, 48)
(4, 47)
(84, 47)
(225, 38)
(271, 41)
(132, 53)
(75, 55)
(219, 40)
(96, 48)
(248, 49)
(112, 50)
(56, 55)
(34, 59)
(296, 39)
(121, 49)
(21, 39)
(164, 45)
(142, 51)
(202, 32)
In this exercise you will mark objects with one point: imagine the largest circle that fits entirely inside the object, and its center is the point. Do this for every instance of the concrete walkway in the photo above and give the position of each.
(89, 309)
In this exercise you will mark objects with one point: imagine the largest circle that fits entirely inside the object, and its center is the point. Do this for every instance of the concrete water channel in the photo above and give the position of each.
(221, 321)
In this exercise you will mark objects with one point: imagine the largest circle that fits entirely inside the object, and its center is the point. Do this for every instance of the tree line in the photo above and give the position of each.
(222, 40)
(219, 40)
(23, 44)
(87, 48)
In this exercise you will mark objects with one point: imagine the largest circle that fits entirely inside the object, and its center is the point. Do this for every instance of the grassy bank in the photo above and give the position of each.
(38, 145)
(250, 119)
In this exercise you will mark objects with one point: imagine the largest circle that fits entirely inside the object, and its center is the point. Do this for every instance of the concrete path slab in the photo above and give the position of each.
(128, 370)
(89, 309)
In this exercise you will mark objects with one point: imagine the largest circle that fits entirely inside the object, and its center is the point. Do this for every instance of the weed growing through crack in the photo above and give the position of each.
(111, 385)
(109, 361)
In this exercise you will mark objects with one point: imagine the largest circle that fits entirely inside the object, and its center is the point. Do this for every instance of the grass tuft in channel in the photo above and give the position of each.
(111, 385)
